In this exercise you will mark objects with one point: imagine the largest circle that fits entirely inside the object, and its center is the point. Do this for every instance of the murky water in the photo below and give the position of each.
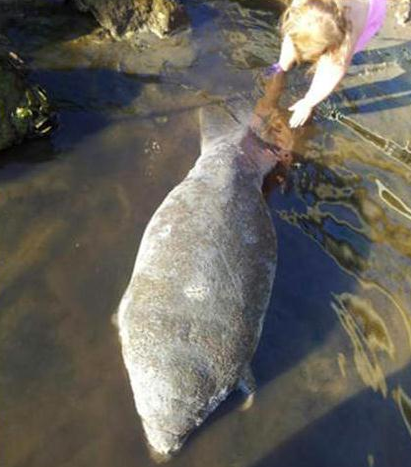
(333, 368)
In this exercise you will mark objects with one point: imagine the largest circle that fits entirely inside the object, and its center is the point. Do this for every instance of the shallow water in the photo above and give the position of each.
(333, 367)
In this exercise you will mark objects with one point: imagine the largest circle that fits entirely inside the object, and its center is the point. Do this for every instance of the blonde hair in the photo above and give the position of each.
(317, 27)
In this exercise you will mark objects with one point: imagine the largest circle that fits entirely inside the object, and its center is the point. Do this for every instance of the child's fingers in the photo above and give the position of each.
(301, 113)
(297, 106)
(297, 120)
(294, 121)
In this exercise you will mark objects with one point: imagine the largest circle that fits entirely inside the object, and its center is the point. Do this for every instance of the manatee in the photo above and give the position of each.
(191, 317)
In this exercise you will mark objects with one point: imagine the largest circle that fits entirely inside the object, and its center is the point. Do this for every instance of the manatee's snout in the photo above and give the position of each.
(163, 443)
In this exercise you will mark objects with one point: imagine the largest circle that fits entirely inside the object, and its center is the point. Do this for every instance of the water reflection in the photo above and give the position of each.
(359, 431)
(369, 337)
(404, 403)
(392, 200)
(388, 93)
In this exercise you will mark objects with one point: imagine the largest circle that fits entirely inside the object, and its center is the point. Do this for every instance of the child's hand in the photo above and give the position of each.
(302, 111)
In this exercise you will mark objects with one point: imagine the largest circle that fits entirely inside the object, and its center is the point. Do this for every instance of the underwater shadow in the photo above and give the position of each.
(366, 429)
(200, 14)
(29, 27)
(319, 254)
(19, 158)
(384, 94)
(81, 110)
(380, 55)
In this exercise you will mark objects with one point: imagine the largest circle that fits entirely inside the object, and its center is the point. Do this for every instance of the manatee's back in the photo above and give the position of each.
(191, 317)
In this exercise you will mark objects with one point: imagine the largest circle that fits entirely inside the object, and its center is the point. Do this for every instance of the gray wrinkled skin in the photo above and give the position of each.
(191, 317)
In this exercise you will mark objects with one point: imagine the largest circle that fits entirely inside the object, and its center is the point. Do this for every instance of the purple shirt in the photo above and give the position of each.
(375, 20)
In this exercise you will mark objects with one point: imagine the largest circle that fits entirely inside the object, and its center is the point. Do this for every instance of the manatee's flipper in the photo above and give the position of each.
(157, 457)
(248, 386)
(114, 320)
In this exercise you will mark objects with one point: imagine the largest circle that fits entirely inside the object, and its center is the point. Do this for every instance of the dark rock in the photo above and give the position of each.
(24, 108)
(125, 18)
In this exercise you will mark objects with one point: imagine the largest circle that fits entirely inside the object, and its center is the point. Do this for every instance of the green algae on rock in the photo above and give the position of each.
(24, 108)
(125, 18)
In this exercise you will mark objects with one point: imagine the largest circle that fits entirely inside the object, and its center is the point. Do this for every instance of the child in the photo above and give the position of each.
(328, 33)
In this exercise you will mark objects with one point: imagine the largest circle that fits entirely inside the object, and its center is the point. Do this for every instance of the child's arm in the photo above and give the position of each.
(326, 78)
(288, 54)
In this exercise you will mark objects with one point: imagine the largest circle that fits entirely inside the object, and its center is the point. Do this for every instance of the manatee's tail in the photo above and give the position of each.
(227, 120)
(220, 127)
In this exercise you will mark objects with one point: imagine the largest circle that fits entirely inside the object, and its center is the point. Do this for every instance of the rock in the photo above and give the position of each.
(24, 108)
(403, 13)
(125, 18)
